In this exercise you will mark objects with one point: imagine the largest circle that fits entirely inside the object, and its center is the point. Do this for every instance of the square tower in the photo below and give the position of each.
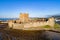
(24, 17)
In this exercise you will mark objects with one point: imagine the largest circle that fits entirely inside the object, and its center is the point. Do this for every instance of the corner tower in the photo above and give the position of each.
(51, 21)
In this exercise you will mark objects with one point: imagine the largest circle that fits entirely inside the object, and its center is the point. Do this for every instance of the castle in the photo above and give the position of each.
(25, 22)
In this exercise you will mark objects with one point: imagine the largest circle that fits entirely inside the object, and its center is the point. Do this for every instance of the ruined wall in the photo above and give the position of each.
(10, 23)
(35, 24)
(18, 26)
(50, 22)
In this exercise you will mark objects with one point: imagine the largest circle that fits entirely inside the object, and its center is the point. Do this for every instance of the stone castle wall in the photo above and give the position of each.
(50, 22)
(24, 19)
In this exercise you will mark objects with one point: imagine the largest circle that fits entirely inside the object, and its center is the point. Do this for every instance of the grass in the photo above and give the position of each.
(56, 26)
(46, 26)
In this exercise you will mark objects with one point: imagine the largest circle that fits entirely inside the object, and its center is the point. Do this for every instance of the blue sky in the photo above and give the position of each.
(35, 8)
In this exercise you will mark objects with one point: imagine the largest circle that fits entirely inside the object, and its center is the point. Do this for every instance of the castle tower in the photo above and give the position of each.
(24, 17)
(51, 21)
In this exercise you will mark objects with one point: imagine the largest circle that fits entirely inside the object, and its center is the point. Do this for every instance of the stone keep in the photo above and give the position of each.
(24, 17)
